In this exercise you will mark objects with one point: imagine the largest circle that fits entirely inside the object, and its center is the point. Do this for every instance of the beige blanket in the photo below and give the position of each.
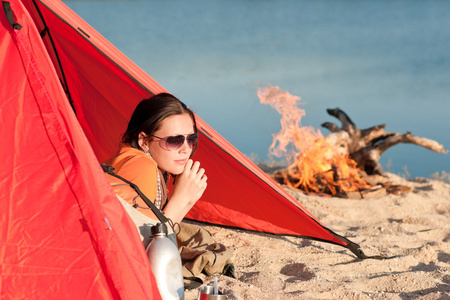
(199, 253)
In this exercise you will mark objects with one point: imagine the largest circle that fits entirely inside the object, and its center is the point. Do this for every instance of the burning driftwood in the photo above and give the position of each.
(367, 145)
(340, 163)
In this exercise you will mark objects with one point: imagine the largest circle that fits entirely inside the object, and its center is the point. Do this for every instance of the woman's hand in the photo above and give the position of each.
(191, 183)
(189, 187)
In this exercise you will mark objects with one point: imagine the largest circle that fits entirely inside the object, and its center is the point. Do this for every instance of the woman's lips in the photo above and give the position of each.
(181, 161)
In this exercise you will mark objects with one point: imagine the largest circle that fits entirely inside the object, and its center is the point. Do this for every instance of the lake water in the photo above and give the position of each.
(382, 62)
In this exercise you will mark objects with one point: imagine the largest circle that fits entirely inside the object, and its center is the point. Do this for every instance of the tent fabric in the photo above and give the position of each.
(64, 235)
(103, 84)
(67, 94)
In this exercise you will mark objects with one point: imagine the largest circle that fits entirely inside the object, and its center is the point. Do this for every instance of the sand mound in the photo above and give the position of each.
(414, 228)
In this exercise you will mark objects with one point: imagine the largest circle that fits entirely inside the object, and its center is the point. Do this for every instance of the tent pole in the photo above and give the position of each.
(63, 80)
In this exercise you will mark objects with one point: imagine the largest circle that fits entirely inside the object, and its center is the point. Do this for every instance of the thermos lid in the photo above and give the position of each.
(159, 229)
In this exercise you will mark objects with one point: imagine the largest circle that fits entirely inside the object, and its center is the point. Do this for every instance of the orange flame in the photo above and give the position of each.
(314, 164)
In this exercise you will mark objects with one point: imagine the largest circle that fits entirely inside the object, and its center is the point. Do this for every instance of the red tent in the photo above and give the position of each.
(63, 234)
(66, 96)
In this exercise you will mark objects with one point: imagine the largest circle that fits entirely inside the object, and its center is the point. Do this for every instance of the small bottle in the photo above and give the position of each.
(165, 261)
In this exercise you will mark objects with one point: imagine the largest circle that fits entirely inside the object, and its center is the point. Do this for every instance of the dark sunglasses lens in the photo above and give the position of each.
(192, 139)
(174, 142)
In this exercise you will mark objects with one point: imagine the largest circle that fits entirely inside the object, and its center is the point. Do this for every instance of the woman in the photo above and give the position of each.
(158, 143)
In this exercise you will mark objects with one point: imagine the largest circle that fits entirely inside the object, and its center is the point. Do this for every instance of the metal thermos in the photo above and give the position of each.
(165, 261)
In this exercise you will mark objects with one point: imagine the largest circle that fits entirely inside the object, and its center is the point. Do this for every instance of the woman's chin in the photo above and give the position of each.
(176, 170)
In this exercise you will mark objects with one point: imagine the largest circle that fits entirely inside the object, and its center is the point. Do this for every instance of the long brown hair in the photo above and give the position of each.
(149, 114)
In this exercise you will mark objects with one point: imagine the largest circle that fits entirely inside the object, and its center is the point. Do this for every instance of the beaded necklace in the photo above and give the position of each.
(158, 191)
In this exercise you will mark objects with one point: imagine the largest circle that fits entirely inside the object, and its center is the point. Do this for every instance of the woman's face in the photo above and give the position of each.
(172, 161)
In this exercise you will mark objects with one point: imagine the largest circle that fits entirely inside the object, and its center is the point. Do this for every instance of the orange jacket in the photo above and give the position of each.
(139, 168)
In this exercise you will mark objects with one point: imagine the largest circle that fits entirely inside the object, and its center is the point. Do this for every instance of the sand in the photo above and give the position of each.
(413, 227)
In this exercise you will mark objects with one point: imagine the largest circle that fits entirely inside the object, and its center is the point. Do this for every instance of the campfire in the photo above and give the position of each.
(315, 164)
(343, 163)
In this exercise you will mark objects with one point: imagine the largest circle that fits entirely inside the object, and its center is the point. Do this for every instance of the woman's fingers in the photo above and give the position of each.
(192, 182)
(201, 173)
(194, 168)
(188, 164)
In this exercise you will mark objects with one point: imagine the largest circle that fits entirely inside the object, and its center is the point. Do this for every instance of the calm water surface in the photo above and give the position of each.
(382, 62)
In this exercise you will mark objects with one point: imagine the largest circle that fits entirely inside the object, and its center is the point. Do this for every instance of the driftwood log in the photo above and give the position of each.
(365, 146)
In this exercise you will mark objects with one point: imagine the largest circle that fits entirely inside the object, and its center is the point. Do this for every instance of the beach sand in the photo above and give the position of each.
(413, 227)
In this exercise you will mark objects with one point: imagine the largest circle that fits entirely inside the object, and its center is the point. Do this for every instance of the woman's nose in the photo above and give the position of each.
(185, 147)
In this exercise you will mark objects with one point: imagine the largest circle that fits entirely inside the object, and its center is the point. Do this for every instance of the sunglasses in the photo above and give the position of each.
(175, 142)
